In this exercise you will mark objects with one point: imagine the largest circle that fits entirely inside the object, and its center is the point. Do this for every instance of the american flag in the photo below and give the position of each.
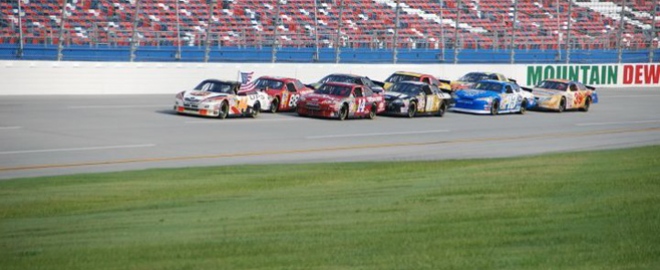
(246, 81)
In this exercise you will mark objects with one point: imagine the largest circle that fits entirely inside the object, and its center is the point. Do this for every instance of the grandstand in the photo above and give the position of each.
(443, 27)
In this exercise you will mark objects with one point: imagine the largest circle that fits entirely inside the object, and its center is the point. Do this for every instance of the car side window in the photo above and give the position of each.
(573, 88)
(358, 92)
(426, 80)
(508, 89)
(290, 87)
(427, 90)
(435, 89)
(367, 92)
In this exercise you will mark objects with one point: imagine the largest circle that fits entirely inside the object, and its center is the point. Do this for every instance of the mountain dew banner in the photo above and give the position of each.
(597, 75)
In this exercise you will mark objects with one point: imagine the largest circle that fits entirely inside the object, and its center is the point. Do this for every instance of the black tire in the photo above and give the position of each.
(562, 105)
(523, 107)
(224, 110)
(343, 112)
(587, 104)
(442, 109)
(412, 109)
(372, 112)
(275, 105)
(495, 107)
(255, 110)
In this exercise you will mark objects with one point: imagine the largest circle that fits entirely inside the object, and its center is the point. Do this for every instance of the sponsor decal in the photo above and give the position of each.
(597, 75)
(641, 74)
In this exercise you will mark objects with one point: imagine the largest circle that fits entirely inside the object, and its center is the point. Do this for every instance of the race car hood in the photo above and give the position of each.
(197, 96)
(395, 95)
(472, 94)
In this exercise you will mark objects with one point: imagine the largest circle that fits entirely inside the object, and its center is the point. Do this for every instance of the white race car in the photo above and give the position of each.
(217, 98)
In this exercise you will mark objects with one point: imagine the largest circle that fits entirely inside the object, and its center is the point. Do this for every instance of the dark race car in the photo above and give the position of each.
(411, 98)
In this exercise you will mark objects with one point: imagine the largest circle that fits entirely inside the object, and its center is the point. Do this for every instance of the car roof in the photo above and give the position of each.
(345, 74)
(279, 78)
(411, 73)
(560, 80)
(221, 81)
(342, 84)
(498, 82)
(412, 82)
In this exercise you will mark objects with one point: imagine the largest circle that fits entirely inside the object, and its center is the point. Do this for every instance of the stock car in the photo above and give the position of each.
(341, 101)
(492, 97)
(410, 98)
(284, 92)
(559, 95)
(400, 76)
(375, 86)
(218, 98)
(470, 79)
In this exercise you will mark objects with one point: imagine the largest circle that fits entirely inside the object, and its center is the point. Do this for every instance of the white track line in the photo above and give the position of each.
(240, 121)
(116, 106)
(7, 128)
(374, 134)
(618, 123)
(630, 96)
(77, 149)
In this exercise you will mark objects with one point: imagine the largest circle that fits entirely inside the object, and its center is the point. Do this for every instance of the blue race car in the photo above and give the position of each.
(492, 97)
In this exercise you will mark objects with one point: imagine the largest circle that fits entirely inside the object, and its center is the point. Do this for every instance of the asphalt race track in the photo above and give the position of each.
(57, 135)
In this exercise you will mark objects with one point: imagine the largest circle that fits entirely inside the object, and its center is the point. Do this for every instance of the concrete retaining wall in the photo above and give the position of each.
(76, 78)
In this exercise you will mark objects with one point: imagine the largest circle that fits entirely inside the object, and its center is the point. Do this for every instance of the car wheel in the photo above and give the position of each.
(343, 112)
(442, 109)
(372, 112)
(587, 104)
(494, 107)
(224, 110)
(274, 106)
(562, 105)
(523, 107)
(255, 110)
(412, 109)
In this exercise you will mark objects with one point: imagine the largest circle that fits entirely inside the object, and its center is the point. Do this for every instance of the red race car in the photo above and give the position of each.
(341, 100)
(284, 91)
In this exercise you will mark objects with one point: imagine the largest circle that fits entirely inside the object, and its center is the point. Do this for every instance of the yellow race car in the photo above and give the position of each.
(401, 76)
(559, 95)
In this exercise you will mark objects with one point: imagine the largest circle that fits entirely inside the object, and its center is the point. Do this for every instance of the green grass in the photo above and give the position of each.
(591, 210)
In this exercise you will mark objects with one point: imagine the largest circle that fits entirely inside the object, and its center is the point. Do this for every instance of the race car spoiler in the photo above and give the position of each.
(590, 87)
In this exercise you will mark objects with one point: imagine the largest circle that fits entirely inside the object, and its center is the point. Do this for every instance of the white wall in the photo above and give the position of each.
(75, 78)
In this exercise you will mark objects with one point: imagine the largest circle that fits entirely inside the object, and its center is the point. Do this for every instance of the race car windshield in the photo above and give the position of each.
(340, 78)
(215, 87)
(489, 86)
(474, 77)
(406, 88)
(268, 83)
(334, 90)
(560, 86)
(401, 78)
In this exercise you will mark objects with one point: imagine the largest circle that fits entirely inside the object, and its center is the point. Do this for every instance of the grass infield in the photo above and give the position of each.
(586, 210)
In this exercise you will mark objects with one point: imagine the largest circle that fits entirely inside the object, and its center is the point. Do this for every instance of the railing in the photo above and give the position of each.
(534, 38)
